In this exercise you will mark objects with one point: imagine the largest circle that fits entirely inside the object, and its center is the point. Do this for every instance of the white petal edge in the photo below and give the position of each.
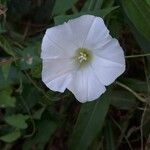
(111, 51)
(60, 84)
(58, 42)
(86, 86)
(106, 70)
(80, 27)
(98, 34)
(56, 73)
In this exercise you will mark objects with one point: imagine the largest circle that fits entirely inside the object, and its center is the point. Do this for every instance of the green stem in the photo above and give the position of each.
(131, 91)
(136, 56)
(36, 86)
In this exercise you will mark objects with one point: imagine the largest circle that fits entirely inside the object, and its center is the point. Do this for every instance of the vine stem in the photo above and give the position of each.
(131, 91)
(136, 56)
(117, 124)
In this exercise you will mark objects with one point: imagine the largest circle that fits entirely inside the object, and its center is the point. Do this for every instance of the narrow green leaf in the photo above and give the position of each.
(101, 13)
(63, 5)
(38, 113)
(142, 41)
(18, 121)
(89, 123)
(10, 137)
(108, 3)
(109, 136)
(6, 46)
(138, 11)
(99, 4)
(127, 101)
(137, 85)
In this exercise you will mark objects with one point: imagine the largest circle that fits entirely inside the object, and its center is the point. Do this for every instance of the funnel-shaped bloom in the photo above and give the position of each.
(81, 56)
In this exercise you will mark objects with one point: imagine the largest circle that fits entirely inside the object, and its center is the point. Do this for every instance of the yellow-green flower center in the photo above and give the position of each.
(83, 56)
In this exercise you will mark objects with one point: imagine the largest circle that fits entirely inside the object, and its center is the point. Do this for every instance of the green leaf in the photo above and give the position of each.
(45, 129)
(142, 41)
(5, 70)
(6, 100)
(63, 5)
(30, 56)
(137, 85)
(138, 12)
(36, 71)
(108, 3)
(148, 2)
(18, 121)
(101, 13)
(127, 101)
(99, 4)
(10, 137)
(90, 122)
(6, 46)
(109, 136)
(30, 93)
(38, 113)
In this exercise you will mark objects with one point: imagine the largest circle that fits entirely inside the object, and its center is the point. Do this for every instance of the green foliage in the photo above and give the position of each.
(5, 70)
(123, 100)
(4, 43)
(101, 13)
(45, 130)
(6, 100)
(33, 117)
(10, 137)
(109, 136)
(67, 4)
(139, 13)
(89, 123)
(18, 121)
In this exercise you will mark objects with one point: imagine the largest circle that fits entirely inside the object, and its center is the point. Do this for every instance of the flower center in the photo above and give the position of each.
(83, 56)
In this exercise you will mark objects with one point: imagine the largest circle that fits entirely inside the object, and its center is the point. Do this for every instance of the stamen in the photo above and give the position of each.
(82, 57)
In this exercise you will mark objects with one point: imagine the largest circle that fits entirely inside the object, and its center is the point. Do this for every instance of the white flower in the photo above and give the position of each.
(81, 56)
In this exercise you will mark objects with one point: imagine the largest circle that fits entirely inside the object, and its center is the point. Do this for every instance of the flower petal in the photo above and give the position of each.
(98, 34)
(60, 83)
(85, 85)
(111, 51)
(106, 70)
(80, 27)
(58, 42)
(56, 74)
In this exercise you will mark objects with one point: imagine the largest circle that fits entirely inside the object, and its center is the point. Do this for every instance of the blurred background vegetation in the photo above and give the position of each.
(34, 118)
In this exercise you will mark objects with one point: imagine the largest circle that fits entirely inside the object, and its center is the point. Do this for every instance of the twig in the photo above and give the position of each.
(35, 85)
(131, 91)
(136, 56)
(116, 123)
